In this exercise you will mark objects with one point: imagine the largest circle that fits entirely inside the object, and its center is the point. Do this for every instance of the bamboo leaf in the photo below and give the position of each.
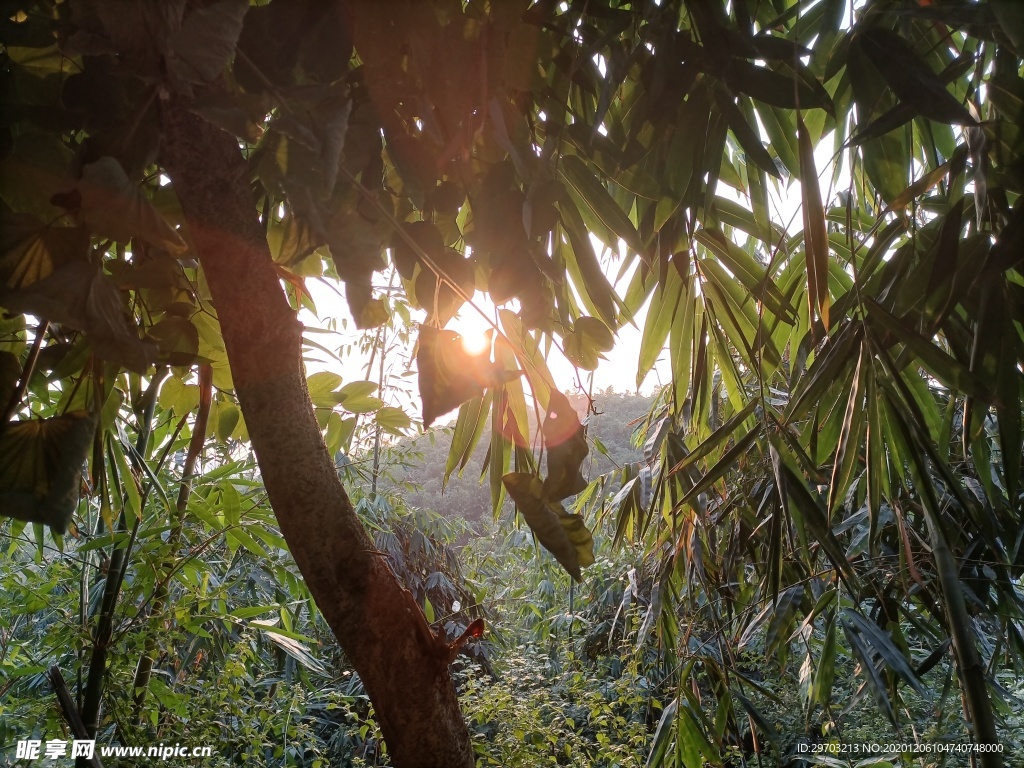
(748, 272)
(772, 88)
(128, 480)
(716, 438)
(745, 134)
(723, 465)
(660, 317)
(885, 648)
(939, 363)
(849, 438)
(923, 184)
(469, 427)
(759, 719)
(735, 215)
(662, 735)
(909, 77)
(824, 371)
(824, 675)
(816, 520)
(780, 133)
(815, 237)
(867, 664)
(576, 173)
(584, 267)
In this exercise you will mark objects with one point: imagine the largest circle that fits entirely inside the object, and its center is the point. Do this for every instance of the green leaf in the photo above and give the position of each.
(227, 420)
(576, 173)
(393, 420)
(884, 646)
(357, 397)
(41, 467)
(322, 383)
(449, 375)
(563, 534)
(178, 397)
(30, 251)
(584, 267)
(81, 296)
(435, 293)
(815, 237)
(177, 339)
(586, 341)
(205, 43)
(909, 77)
(427, 239)
(566, 443)
(112, 206)
(867, 665)
(36, 168)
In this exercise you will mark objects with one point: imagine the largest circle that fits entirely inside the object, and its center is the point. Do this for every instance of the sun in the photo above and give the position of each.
(476, 342)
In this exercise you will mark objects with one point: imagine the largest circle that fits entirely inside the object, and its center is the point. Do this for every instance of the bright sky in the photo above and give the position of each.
(618, 370)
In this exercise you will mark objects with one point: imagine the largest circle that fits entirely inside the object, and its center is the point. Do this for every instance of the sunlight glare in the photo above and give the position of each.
(476, 342)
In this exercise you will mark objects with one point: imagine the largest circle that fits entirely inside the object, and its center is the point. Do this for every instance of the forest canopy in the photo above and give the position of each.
(831, 474)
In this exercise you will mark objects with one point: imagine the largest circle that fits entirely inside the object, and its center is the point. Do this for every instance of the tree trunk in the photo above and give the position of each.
(376, 621)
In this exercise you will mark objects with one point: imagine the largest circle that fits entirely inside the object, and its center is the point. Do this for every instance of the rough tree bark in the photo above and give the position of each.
(376, 621)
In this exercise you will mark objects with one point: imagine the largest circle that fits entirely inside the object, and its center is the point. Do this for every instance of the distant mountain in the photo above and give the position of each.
(415, 467)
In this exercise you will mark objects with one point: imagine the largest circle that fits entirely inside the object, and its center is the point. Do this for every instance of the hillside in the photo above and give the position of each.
(416, 466)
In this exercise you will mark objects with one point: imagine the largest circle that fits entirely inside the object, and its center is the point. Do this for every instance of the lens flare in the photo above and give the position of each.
(476, 342)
